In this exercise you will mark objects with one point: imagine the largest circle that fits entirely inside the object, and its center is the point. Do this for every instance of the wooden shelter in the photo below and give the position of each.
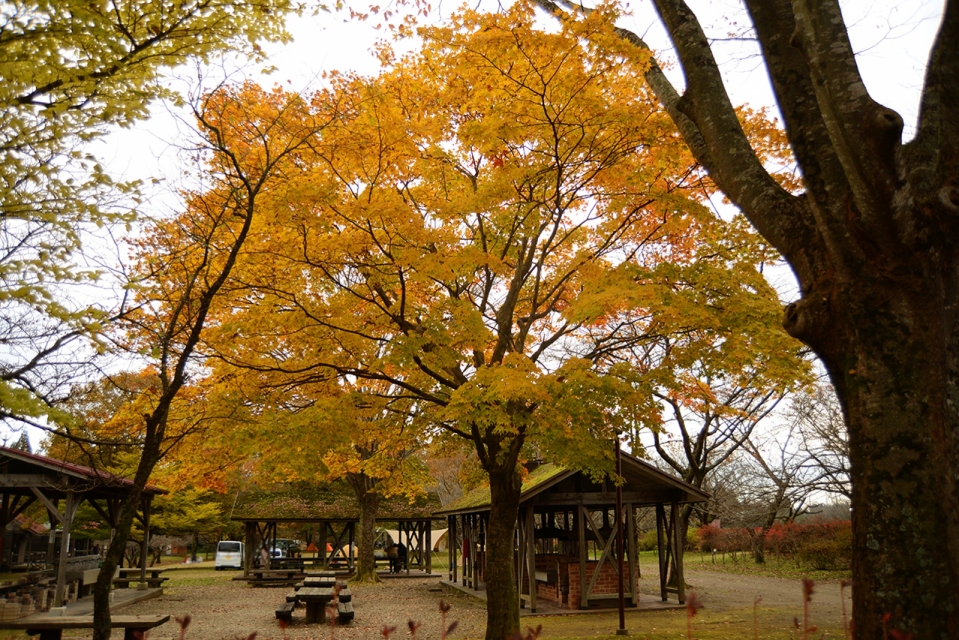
(336, 510)
(567, 532)
(61, 486)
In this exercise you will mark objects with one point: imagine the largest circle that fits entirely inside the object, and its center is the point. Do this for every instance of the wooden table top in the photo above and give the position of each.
(315, 593)
(129, 571)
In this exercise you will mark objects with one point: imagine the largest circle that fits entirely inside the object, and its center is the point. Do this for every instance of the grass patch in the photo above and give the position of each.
(196, 576)
(772, 568)
(733, 624)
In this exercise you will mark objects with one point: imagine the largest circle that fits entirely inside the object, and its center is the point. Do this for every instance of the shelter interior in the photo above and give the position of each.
(335, 513)
(566, 538)
(61, 487)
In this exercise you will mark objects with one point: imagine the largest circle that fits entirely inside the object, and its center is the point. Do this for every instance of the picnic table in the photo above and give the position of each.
(315, 599)
(51, 627)
(132, 572)
(130, 575)
(265, 578)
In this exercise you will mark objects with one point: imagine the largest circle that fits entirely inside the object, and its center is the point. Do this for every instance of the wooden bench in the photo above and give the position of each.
(344, 612)
(152, 583)
(273, 578)
(285, 612)
(548, 576)
(52, 627)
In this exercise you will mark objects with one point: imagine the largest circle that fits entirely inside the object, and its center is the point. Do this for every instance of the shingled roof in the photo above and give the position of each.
(640, 477)
(300, 503)
(20, 470)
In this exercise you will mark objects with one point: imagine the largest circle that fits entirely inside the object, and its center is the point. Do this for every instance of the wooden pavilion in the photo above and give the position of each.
(336, 510)
(567, 531)
(61, 487)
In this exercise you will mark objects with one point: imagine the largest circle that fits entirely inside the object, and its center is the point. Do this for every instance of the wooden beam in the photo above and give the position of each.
(51, 507)
(99, 509)
(607, 551)
(30, 480)
(594, 498)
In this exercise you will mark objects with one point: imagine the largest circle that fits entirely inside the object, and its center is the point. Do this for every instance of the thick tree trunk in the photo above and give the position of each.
(759, 545)
(366, 538)
(128, 509)
(890, 345)
(502, 609)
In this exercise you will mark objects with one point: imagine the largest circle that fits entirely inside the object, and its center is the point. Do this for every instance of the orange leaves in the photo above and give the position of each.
(500, 219)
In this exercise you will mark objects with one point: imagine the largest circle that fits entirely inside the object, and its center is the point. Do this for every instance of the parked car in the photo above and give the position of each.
(229, 555)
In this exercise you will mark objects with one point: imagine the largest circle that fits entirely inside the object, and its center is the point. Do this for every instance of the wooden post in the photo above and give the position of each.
(352, 560)
(520, 555)
(581, 520)
(404, 527)
(464, 526)
(633, 558)
(678, 545)
(531, 557)
(321, 546)
(145, 544)
(621, 544)
(429, 547)
(660, 545)
(249, 550)
(452, 544)
(66, 518)
(484, 528)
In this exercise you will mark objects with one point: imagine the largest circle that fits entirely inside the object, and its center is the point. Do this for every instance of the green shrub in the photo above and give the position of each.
(648, 541)
(692, 539)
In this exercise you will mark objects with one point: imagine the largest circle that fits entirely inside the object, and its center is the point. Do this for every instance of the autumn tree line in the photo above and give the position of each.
(501, 248)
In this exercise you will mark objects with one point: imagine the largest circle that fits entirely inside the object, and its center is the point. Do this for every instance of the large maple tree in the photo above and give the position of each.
(497, 232)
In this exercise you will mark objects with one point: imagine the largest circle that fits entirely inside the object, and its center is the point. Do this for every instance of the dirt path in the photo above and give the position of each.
(725, 591)
(222, 609)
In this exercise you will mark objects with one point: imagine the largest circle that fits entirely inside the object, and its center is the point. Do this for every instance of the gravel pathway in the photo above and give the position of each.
(223, 609)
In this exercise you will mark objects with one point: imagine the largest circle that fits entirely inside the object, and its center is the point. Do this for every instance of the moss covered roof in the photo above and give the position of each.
(480, 496)
(330, 502)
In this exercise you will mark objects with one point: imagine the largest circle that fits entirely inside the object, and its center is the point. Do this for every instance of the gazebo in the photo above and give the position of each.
(336, 510)
(61, 486)
(566, 534)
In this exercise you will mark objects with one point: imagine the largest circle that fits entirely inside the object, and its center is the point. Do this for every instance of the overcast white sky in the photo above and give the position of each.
(893, 38)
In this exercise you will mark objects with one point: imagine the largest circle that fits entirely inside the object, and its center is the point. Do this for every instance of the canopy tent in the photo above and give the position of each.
(561, 512)
(27, 477)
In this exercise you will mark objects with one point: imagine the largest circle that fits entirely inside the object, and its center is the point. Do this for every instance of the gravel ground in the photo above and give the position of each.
(223, 609)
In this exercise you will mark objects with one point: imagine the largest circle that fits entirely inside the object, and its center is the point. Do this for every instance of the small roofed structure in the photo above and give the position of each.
(567, 534)
(335, 509)
(61, 486)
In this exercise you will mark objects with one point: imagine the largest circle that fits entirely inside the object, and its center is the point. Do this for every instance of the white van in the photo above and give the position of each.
(229, 555)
